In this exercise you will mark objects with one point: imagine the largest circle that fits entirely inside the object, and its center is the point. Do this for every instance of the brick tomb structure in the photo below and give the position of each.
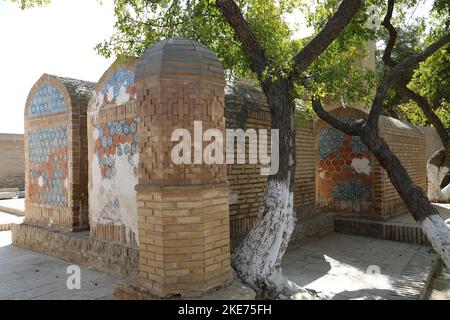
(55, 149)
(172, 227)
(112, 175)
(112, 157)
(183, 213)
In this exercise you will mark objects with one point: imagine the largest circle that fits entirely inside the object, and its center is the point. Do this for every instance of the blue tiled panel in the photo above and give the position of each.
(350, 191)
(47, 100)
(330, 140)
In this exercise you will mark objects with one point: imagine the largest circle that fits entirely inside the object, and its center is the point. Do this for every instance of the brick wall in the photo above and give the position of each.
(408, 144)
(12, 163)
(246, 108)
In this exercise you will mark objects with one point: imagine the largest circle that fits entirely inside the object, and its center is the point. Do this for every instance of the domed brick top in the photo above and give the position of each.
(180, 57)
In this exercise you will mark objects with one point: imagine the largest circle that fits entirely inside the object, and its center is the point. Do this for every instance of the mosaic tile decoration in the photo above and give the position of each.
(48, 163)
(118, 89)
(331, 140)
(350, 191)
(115, 139)
(47, 100)
(336, 152)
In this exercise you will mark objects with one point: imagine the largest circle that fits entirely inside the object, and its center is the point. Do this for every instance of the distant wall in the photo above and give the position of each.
(12, 161)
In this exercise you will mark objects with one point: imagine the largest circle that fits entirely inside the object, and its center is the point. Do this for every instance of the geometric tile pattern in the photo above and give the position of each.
(357, 145)
(47, 99)
(115, 139)
(350, 191)
(48, 163)
(330, 140)
(118, 89)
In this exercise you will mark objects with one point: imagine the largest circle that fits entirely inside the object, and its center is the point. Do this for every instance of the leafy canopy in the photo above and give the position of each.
(141, 23)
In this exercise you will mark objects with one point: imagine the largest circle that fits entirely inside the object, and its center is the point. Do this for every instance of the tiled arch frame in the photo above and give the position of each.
(113, 156)
(345, 169)
(55, 144)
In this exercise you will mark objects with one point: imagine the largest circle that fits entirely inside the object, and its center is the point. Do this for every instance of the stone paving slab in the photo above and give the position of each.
(29, 275)
(441, 286)
(14, 206)
(343, 267)
(336, 266)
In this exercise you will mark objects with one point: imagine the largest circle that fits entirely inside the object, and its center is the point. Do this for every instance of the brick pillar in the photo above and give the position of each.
(183, 214)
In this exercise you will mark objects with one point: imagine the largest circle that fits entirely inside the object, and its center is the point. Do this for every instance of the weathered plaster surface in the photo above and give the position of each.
(112, 196)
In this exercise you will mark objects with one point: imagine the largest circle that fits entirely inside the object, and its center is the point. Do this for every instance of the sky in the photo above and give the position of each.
(57, 39)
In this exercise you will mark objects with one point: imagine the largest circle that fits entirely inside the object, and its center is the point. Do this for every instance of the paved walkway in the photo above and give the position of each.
(28, 275)
(6, 218)
(441, 287)
(345, 267)
(16, 203)
(336, 266)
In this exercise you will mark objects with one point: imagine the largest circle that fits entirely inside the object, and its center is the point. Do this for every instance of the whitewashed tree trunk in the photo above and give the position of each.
(438, 233)
(437, 169)
(420, 207)
(258, 259)
(435, 177)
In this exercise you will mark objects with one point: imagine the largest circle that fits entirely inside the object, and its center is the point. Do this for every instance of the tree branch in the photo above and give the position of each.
(397, 71)
(352, 129)
(347, 9)
(242, 30)
(402, 85)
(429, 113)
(387, 55)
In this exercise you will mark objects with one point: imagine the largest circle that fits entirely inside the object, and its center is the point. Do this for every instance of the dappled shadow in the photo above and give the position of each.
(349, 266)
(365, 294)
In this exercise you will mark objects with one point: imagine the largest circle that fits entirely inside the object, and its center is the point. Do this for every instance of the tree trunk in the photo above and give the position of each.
(420, 207)
(438, 168)
(258, 259)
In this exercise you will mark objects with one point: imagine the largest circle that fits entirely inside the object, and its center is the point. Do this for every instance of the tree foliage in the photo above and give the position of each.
(430, 78)
(140, 23)
(24, 4)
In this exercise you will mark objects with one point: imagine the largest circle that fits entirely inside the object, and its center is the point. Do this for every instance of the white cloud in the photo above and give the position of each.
(57, 39)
